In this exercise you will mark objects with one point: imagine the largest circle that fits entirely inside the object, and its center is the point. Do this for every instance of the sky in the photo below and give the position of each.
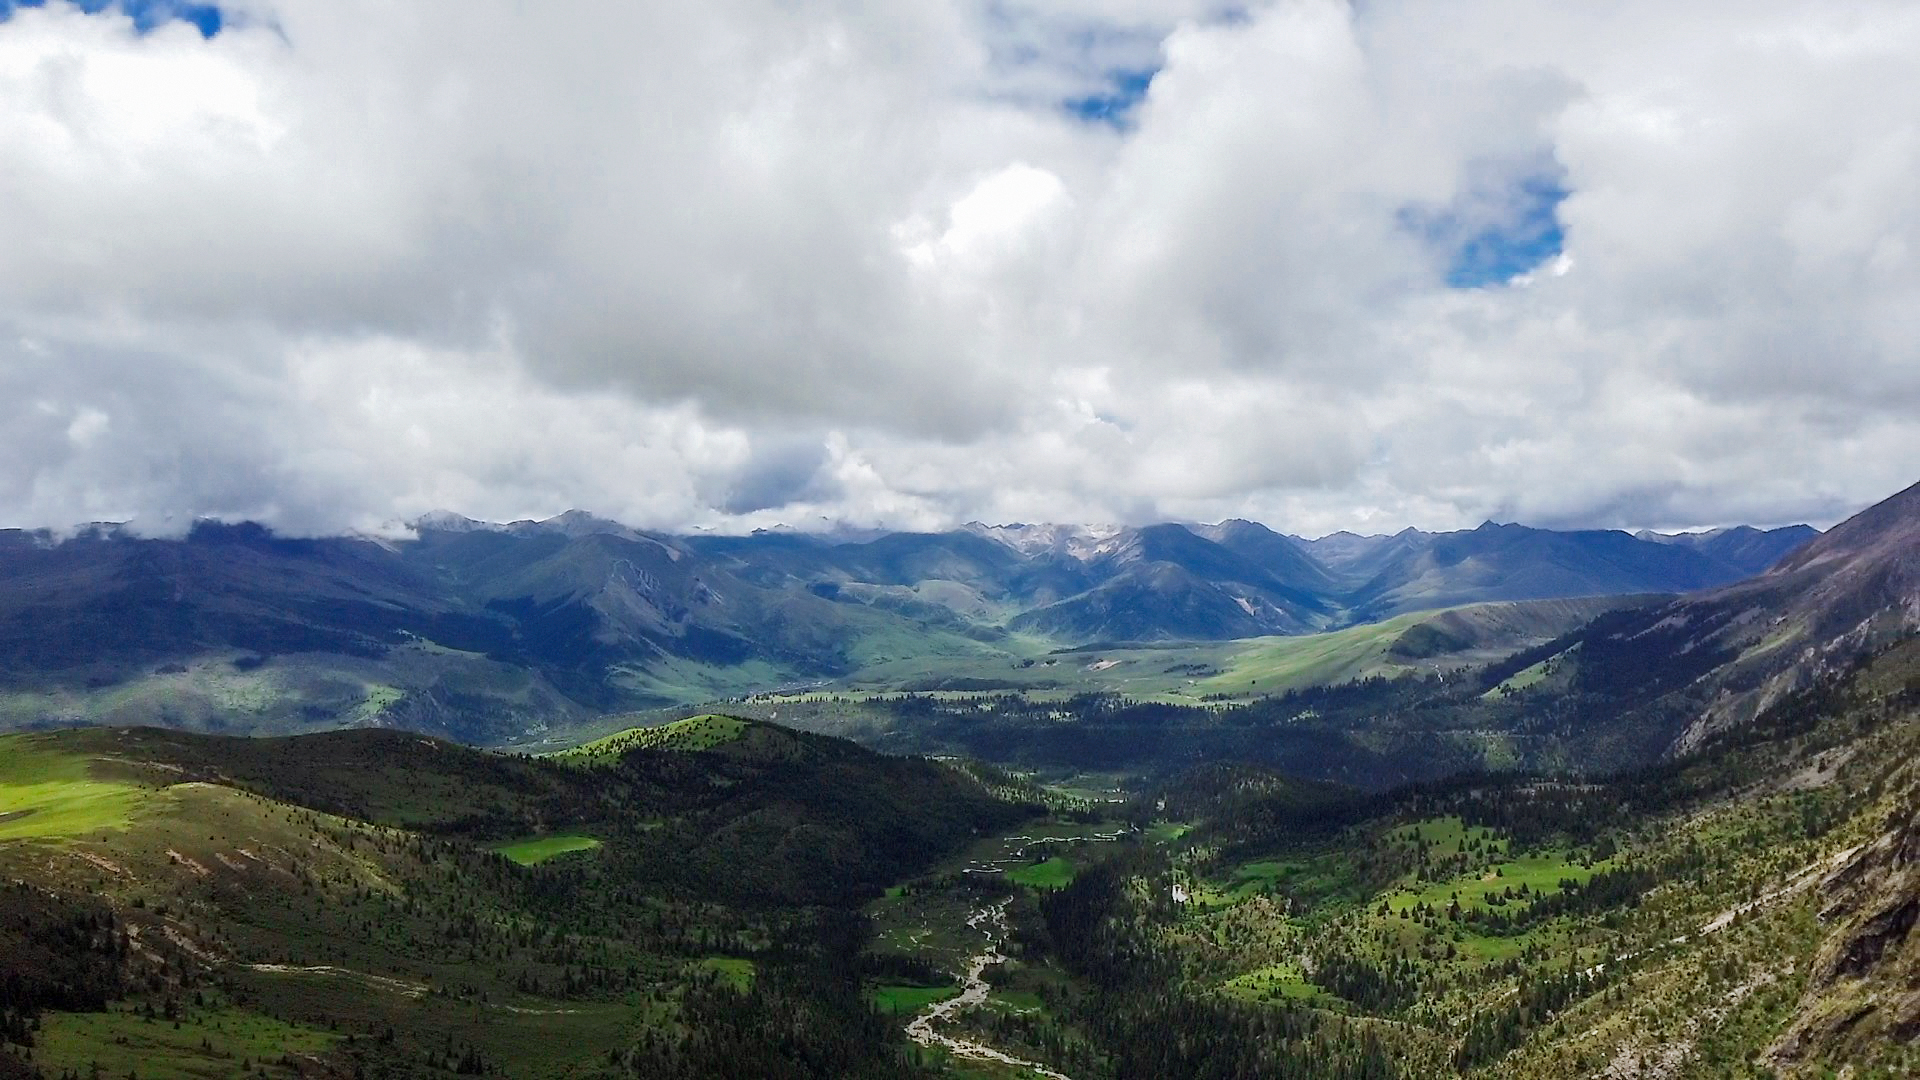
(332, 264)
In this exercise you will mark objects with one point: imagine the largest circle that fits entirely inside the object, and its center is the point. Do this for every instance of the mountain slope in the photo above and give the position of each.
(361, 903)
(1165, 582)
(1678, 673)
(1280, 556)
(1744, 549)
(1513, 562)
(104, 600)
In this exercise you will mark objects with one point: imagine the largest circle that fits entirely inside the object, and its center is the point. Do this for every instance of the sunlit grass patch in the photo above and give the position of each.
(1312, 881)
(539, 849)
(49, 793)
(1541, 875)
(1274, 982)
(693, 733)
(1445, 835)
(209, 1043)
(734, 970)
(1167, 832)
(1055, 873)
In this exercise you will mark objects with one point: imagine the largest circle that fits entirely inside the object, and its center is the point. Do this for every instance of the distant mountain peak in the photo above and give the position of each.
(1079, 541)
(575, 524)
(1887, 530)
(449, 521)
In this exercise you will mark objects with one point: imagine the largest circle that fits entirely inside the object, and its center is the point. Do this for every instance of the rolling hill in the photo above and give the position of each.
(378, 903)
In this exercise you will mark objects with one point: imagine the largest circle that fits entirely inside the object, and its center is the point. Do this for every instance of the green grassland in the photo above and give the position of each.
(925, 919)
(1385, 898)
(1168, 832)
(198, 1043)
(674, 679)
(49, 793)
(1270, 983)
(695, 733)
(417, 683)
(1502, 950)
(322, 890)
(1054, 873)
(1266, 931)
(901, 999)
(317, 924)
(1184, 672)
(1311, 879)
(539, 849)
(1531, 675)
(735, 971)
(1195, 671)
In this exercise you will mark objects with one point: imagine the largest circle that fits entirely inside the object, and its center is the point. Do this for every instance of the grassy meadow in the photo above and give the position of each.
(539, 849)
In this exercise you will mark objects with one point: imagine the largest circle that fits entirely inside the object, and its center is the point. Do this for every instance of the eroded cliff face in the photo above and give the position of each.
(1863, 990)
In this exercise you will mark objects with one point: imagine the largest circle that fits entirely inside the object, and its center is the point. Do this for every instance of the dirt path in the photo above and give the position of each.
(392, 985)
(1796, 882)
(378, 982)
(991, 921)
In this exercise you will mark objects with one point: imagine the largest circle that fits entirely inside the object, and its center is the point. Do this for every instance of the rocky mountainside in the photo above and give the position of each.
(1716, 658)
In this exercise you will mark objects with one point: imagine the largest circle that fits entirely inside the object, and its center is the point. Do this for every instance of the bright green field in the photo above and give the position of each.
(1445, 834)
(1519, 680)
(736, 970)
(1055, 873)
(1248, 879)
(1314, 879)
(1017, 1000)
(209, 1044)
(539, 849)
(1276, 663)
(1540, 872)
(900, 999)
(1268, 983)
(692, 734)
(47, 793)
(1168, 832)
(1247, 668)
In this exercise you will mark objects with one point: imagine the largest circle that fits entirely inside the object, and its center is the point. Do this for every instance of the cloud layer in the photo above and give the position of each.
(743, 262)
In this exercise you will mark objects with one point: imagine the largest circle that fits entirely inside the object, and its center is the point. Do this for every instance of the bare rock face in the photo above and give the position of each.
(1864, 988)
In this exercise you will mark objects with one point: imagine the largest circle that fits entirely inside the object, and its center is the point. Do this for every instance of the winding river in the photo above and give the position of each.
(991, 921)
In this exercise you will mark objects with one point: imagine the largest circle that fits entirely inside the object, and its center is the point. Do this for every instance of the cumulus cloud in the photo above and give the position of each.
(741, 263)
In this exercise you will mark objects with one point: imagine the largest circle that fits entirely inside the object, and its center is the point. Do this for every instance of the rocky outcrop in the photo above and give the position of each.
(1864, 987)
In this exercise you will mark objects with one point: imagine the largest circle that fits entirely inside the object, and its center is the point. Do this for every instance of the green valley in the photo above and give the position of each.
(1615, 837)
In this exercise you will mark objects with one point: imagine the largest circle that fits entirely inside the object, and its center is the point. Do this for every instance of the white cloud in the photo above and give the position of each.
(736, 263)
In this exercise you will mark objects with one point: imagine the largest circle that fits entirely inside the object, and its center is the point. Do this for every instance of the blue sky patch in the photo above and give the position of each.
(147, 15)
(1491, 234)
(1125, 89)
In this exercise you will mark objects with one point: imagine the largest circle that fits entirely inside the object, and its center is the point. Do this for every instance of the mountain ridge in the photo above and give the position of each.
(472, 628)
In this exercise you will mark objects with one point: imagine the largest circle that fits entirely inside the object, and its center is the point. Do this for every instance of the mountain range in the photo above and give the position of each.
(1676, 839)
(533, 623)
(1720, 657)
